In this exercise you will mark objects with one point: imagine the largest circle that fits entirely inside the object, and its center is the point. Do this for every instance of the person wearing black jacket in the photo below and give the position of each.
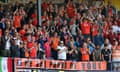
(22, 50)
(15, 50)
(40, 52)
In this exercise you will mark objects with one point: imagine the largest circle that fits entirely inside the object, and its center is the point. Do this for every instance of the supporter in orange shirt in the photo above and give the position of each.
(26, 49)
(55, 41)
(95, 31)
(32, 48)
(28, 45)
(85, 52)
(85, 28)
(22, 32)
(17, 19)
(95, 28)
(54, 45)
(70, 9)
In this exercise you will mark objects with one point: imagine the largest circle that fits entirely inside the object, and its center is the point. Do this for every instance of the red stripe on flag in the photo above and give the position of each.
(9, 62)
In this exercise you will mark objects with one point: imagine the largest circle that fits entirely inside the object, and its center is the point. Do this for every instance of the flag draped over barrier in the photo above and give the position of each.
(5, 64)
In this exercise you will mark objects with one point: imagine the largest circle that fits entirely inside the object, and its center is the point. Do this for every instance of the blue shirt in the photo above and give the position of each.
(91, 48)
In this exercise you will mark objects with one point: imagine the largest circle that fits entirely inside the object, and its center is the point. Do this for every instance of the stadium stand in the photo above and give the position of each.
(69, 31)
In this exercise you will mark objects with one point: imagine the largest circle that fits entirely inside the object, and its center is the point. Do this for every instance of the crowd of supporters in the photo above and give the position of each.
(69, 31)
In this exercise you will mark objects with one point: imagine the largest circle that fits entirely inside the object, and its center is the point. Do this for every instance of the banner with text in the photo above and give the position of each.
(24, 63)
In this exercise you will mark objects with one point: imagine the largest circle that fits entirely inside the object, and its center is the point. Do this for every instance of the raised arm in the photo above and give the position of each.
(15, 12)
